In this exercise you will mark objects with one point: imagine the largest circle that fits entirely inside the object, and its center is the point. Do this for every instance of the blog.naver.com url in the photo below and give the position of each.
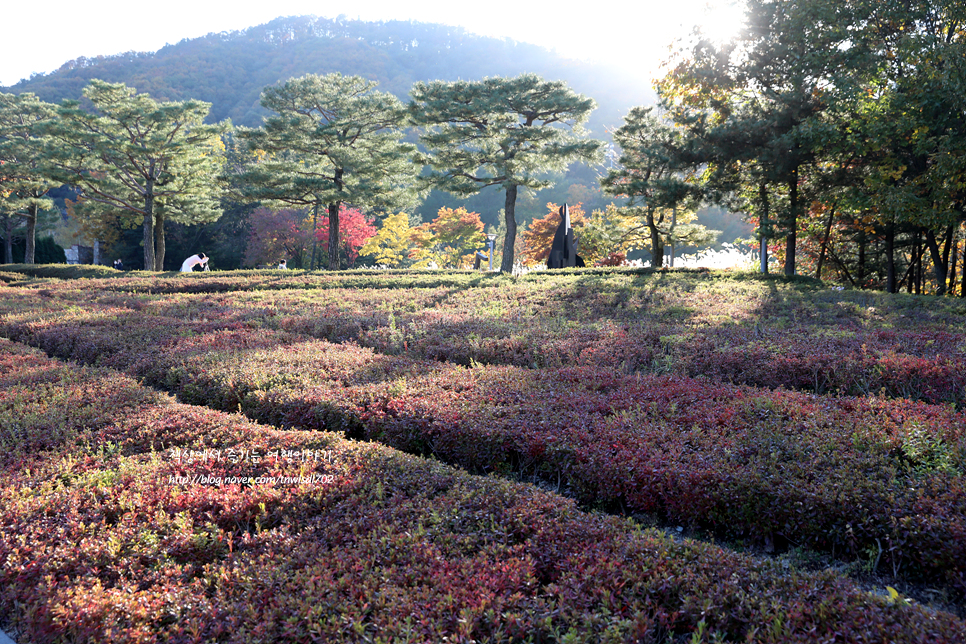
(248, 481)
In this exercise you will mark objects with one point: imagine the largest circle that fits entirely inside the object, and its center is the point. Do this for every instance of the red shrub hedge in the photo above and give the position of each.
(107, 537)
(747, 332)
(848, 476)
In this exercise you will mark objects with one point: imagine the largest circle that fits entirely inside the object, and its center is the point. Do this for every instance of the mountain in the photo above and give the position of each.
(230, 69)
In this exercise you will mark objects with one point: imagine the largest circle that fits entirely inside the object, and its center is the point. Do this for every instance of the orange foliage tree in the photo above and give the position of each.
(449, 238)
(538, 236)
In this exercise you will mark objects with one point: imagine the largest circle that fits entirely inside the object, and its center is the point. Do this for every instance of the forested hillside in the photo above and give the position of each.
(230, 69)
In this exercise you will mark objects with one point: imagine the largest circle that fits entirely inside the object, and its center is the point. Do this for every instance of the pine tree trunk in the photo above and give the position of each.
(674, 222)
(149, 227)
(947, 250)
(509, 215)
(860, 276)
(159, 242)
(876, 260)
(921, 283)
(953, 254)
(315, 237)
(962, 286)
(334, 245)
(763, 228)
(939, 266)
(828, 233)
(8, 239)
(334, 235)
(657, 244)
(917, 264)
(911, 285)
(947, 245)
(31, 240)
(790, 241)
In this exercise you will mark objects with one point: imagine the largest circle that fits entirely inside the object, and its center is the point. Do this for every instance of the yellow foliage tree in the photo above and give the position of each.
(392, 242)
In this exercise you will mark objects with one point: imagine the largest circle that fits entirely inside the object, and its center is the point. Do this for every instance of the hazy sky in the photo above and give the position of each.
(603, 30)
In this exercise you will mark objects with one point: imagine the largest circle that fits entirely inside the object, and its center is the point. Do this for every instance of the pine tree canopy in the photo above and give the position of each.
(154, 160)
(506, 132)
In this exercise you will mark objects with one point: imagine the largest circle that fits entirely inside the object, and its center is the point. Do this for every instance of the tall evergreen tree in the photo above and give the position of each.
(506, 132)
(757, 104)
(655, 177)
(24, 178)
(333, 140)
(913, 122)
(155, 161)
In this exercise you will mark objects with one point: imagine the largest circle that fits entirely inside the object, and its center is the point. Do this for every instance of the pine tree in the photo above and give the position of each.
(157, 161)
(333, 140)
(24, 179)
(506, 132)
(911, 125)
(655, 178)
(757, 106)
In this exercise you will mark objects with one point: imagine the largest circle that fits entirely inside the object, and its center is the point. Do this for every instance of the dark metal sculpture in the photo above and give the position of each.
(478, 260)
(562, 252)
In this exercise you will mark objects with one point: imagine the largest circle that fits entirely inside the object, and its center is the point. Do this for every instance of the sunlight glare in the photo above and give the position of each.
(722, 21)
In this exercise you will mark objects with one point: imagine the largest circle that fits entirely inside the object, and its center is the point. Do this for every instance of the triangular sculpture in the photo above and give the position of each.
(562, 252)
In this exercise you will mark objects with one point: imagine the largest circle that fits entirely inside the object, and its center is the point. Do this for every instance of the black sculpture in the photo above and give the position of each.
(562, 252)
(478, 260)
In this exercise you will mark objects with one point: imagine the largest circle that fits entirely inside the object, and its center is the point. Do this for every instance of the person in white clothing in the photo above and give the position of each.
(194, 260)
(282, 264)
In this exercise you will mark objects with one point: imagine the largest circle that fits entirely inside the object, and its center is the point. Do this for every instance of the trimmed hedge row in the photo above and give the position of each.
(113, 531)
(224, 281)
(680, 324)
(861, 478)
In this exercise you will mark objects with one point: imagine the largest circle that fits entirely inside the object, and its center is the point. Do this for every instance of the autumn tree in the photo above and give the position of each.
(24, 176)
(332, 140)
(390, 245)
(355, 230)
(279, 234)
(506, 132)
(538, 237)
(157, 161)
(447, 239)
(290, 233)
